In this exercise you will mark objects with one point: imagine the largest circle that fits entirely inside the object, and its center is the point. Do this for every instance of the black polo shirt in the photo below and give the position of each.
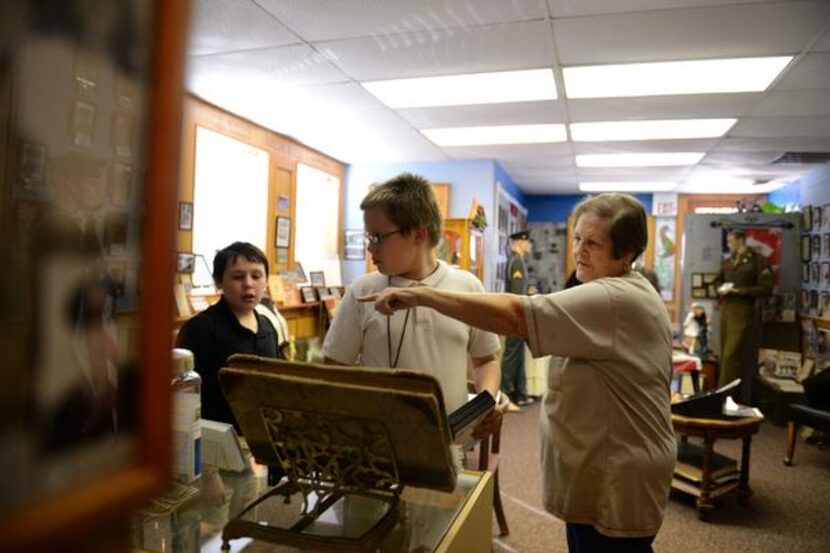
(214, 335)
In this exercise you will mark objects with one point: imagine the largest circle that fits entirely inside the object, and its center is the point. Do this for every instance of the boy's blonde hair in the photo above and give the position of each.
(409, 202)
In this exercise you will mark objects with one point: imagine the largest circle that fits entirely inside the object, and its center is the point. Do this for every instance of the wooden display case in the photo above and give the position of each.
(462, 246)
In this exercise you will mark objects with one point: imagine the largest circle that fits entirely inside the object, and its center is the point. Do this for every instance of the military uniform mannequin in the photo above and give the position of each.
(751, 278)
(513, 381)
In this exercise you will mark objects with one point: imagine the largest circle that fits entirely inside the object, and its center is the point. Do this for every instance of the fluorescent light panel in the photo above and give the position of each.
(673, 77)
(458, 90)
(666, 159)
(650, 130)
(501, 134)
(627, 186)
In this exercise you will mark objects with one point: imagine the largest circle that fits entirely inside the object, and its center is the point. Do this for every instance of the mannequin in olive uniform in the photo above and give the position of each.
(513, 381)
(751, 278)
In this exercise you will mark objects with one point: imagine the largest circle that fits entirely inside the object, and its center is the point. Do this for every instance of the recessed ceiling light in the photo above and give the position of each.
(627, 186)
(501, 134)
(458, 90)
(673, 77)
(650, 130)
(666, 159)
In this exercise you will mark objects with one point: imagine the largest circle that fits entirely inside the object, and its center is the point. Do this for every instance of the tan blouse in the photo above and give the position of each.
(608, 448)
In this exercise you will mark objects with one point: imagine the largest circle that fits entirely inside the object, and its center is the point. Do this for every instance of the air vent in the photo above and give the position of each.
(802, 158)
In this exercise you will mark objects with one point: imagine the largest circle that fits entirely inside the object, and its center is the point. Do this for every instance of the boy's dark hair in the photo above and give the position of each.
(409, 202)
(738, 233)
(227, 255)
(627, 222)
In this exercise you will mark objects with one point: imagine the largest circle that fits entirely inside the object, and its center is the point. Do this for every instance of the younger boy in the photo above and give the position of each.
(232, 325)
(403, 226)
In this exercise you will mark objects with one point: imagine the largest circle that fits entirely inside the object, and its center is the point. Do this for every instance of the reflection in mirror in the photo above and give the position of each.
(73, 83)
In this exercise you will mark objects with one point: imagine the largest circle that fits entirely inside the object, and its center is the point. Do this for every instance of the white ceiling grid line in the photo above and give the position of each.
(295, 66)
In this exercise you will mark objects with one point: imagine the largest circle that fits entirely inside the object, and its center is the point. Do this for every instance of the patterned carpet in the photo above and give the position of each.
(789, 511)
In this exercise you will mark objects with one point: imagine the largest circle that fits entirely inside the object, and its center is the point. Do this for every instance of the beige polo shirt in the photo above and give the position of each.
(432, 343)
(608, 448)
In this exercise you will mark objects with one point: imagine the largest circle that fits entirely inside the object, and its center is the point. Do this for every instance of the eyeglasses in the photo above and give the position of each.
(376, 238)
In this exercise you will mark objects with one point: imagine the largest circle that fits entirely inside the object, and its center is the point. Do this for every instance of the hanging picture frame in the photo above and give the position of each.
(282, 237)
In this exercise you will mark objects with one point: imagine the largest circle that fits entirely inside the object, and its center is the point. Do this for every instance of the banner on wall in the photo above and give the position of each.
(765, 241)
(664, 205)
(664, 255)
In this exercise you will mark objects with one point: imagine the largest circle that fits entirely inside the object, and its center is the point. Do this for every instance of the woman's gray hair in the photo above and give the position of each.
(627, 222)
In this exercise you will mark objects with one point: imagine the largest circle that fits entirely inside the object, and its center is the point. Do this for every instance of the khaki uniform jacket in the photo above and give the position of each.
(608, 448)
(750, 273)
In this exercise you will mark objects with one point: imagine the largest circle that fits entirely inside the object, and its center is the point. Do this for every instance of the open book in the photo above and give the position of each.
(464, 419)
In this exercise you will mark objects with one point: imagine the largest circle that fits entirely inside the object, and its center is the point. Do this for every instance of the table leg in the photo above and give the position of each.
(704, 503)
(744, 492)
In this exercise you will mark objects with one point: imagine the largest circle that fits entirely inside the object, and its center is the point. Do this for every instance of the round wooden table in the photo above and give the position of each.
(712, 430)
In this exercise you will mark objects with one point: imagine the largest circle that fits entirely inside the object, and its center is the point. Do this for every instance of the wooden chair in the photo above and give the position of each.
(488, 459)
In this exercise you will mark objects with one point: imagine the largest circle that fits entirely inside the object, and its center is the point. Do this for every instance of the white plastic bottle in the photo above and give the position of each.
(186, 386)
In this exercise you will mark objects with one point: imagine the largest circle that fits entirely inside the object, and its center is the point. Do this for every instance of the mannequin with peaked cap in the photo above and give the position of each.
(513, 381)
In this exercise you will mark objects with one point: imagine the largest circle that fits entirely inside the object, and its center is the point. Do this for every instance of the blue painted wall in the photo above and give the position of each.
(557, 207)
(508, 185)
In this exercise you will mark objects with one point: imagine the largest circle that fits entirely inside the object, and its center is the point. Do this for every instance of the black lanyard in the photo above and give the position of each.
(394, 364)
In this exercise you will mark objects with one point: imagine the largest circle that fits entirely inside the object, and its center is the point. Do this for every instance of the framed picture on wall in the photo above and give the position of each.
(185, 216)
(317, 278)
(806, 218)
(185, 262)
(283, 232)
(805, 272)
(806, 248)
(816, 246)
(817, 222)
(353, 244)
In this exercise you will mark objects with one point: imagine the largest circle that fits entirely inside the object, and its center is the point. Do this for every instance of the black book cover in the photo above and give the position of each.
(465, 418)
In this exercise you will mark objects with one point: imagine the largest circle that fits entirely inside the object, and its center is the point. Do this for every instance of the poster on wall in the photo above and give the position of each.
(665, 254)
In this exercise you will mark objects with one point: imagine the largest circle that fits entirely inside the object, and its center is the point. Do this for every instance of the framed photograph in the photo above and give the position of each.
(83, 124)
(122, 134)
(698, 293)
(709, 278)
(185, 216)
(825, 244)
(185, 262)
(283, 232)
(335, 292)
(308, 294)
(805, 302)
(806, 248)
(815, 272)
(817, 222)
(317, 279)
(805, 272)
(825, 273)
(322, 292)
(816, 240)
(119, 184)
(354, 244)
(124, 90)
(806, 218)
(282, 203)
(282, 255)
(697, 280)
(711, 291)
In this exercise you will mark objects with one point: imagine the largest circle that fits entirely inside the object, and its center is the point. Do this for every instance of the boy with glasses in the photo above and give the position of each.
(403, 226)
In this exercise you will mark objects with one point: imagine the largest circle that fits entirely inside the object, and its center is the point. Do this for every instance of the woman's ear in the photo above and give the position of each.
(420, 235)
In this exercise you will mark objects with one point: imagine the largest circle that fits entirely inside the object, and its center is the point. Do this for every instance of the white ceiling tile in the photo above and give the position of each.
(542, 186)
(794, 103)
(446, 52)
(695, 33)
(781, 126)
(332, 19)
(782, 143)
(727, 158)
(662, 107)
(811, 72)
(571, 8)
(538, 164)
(823, 45)
(283, 66)
(508, 152)
(549, 111)
(645, 146)
(216, 26)
(616, 174)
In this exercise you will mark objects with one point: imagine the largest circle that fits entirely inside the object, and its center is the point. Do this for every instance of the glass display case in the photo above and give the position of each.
(462, 246)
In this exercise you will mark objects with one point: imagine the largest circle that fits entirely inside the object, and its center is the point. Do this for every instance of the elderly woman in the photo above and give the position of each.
(608, 448)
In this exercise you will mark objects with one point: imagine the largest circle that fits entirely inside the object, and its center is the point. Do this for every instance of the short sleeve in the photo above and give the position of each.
(578, 322)
(482, 343)
(344, 338)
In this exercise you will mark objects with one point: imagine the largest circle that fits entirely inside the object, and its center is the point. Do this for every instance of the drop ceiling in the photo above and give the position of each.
(295, 66)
